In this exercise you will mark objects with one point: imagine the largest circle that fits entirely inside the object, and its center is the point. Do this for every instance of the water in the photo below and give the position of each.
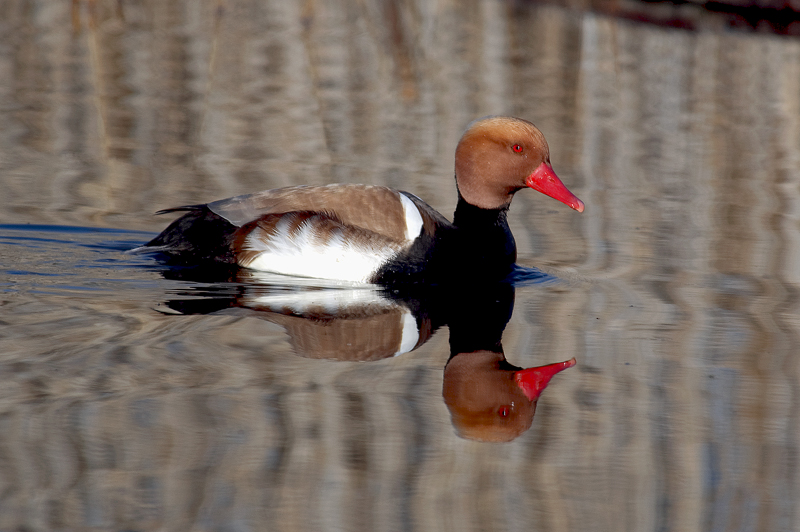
(135, 397)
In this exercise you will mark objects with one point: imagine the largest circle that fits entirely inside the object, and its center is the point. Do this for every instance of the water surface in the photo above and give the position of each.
(676, 290)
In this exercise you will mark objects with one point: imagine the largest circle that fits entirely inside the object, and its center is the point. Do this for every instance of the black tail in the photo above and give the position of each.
(196, 237)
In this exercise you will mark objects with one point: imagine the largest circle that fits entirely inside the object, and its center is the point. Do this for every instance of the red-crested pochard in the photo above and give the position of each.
(376, 234)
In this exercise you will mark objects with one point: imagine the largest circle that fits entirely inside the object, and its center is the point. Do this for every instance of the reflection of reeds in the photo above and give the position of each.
(105, 95)
(100, 92)
(76, 16)
(682, 144)
(219, 14)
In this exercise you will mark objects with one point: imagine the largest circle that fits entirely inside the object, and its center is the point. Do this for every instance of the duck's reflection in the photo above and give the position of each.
(489, 399)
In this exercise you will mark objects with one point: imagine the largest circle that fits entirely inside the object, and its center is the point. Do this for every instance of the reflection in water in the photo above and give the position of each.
(682, 415)
(489, 398)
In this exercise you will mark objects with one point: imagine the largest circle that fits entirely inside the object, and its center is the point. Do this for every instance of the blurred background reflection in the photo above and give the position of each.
(677, 290)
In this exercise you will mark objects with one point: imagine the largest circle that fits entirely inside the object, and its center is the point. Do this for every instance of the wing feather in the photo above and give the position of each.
(376, 208)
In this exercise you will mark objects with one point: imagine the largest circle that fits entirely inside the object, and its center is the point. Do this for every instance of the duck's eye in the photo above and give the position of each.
(503, 411)
(517, 148)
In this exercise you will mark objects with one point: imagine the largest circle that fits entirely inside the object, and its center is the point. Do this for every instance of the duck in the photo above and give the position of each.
(375, 234)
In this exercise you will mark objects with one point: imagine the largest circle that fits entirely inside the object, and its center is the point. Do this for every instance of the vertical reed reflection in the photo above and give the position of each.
(705, 276)
(682, 414)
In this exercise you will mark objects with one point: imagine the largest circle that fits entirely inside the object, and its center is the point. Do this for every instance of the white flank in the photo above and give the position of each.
(339, 258)
(413, 218)
(410, 336)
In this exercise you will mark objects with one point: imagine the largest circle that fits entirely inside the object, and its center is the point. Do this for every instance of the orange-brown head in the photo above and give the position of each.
(499, 155)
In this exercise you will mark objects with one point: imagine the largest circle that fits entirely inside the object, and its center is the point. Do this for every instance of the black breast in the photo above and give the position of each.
(477, 247)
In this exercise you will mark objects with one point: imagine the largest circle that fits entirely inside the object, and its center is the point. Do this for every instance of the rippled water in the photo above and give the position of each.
(135, 397)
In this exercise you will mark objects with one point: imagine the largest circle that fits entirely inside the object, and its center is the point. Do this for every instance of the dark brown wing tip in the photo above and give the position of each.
(183, 208)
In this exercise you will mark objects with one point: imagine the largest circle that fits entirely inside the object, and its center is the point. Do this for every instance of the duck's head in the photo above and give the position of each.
(499, 155)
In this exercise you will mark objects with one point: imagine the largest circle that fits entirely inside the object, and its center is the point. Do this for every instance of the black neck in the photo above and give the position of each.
(484, 235)
(468, 216)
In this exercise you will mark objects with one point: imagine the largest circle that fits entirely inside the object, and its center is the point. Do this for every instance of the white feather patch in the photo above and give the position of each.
(303, 255)
(413, 218)
(410, 336)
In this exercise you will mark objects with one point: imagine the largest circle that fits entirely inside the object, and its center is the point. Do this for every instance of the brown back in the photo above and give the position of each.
(376, 208)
